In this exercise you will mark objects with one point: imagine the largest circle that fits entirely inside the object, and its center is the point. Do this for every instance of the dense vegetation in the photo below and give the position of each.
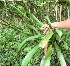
(20, 33)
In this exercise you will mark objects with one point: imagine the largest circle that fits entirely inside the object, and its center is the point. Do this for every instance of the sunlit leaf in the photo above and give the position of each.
(42, 61)
(45, 40)
(48, 56)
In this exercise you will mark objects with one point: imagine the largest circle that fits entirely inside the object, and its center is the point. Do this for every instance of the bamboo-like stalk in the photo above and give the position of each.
(68, 11)
(60, 11)
(56, 11)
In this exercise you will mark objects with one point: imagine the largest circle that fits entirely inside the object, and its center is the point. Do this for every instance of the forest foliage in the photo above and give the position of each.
(21, 40)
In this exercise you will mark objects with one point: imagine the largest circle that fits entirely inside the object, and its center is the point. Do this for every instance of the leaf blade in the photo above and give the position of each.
(60, 56)
(29, 56)
(46, 39)
(28, 39)
(48, 56)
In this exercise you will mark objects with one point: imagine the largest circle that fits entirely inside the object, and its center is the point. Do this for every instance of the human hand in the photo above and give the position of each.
(45, 28)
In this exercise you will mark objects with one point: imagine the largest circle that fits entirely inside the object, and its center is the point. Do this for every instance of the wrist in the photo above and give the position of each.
(52, 25)
(55, 24)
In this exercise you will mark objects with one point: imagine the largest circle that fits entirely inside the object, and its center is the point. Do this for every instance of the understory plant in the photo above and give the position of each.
(51, 40)
(24, 43)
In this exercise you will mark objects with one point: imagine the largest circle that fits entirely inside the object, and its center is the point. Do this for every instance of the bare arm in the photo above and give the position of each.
(63, 24)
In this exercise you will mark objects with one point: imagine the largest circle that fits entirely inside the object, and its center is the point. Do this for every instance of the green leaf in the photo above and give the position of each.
(65, 45)
(46, 39)
(20, 12)
(27, 49)
(60, 56)
(42, 61)
(29, 56)
(28, 39)
(49, 22)
(32, 27)
(36, 19)
(24, 15)
(48, 56)
(47, 17)
(59, 32)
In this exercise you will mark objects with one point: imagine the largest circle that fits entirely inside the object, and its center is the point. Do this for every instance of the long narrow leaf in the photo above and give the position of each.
(32, 27)
(48, 56)
(24, 15)
(20, 12)
(36, 19)
(29, 56)
(46, 39)
(28, 39)
(42, 61)
(60, 56)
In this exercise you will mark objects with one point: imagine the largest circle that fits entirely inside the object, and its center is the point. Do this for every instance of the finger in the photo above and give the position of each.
(48, 30)
(45, 30)
(42, 28)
